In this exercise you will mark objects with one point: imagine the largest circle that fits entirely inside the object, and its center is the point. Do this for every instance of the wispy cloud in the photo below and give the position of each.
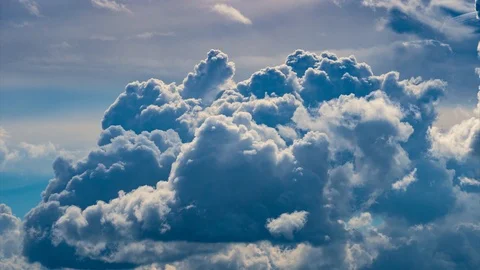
(231, 13)
(111, 5)
(61, 46)
(31, 6)
(149, 35)
(20, 25)
(103, 38)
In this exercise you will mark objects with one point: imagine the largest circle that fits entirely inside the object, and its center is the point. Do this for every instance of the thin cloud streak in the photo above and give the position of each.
(231, 13)
(111, 5)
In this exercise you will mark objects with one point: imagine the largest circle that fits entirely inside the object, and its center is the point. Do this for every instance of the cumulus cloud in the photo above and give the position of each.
(231, 13)
(11, 234)
(154, 104)
(286, 224)
(458, 142)
(365, 219)
(208, 76)
(317, 163)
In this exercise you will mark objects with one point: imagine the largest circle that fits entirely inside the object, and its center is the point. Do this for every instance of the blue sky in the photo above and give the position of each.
(372, 103)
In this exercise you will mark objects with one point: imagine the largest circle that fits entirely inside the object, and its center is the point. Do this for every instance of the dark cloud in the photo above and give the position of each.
(477, 8)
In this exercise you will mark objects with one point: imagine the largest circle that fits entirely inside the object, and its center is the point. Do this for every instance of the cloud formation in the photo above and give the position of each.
(317, 163)
(31, 6)
(231, 13)
(10, 244)
(432, 18)
(111, 5)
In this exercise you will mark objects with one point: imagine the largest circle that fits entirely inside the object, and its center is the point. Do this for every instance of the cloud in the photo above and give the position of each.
(11, 234)
(465, 181)
(149, 35)
(231, 13)
(5, 153)
(169, 106)
(17, 156)
(297, 167)
(38, 150)
(208, 76)
(477, 8)
(426, 18)
(111, 5)
(286, 224)
(405, 182)
(458, 141)
(31, 6)
(103, 38)
(365, 219)
(477, 110)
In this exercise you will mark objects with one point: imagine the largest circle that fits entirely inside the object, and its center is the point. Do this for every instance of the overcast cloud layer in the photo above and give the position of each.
(319, 162)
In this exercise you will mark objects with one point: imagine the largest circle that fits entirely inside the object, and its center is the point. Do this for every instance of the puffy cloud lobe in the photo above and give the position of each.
(272, 80)
(460, 148)
(302, 60)
(329, 169)
(10, 231)
(150, 105)
(458, 142)
(10, 242)
(208, 76)
(128, 161)
(332, 77)
(270, 110)
(286, 224)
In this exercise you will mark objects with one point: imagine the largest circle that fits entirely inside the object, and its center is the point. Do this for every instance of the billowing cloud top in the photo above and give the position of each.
(314, 164)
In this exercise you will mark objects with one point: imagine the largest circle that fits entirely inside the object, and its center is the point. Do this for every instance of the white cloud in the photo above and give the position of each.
(406, 181)
(286, 224)
(363, 220)
(231, 13)
(456, 143)
(111, 5)
(38, 150)
(31, 6)
(465, 181)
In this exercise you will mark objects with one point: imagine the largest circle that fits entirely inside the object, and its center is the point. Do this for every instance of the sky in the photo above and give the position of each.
(239, 134)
